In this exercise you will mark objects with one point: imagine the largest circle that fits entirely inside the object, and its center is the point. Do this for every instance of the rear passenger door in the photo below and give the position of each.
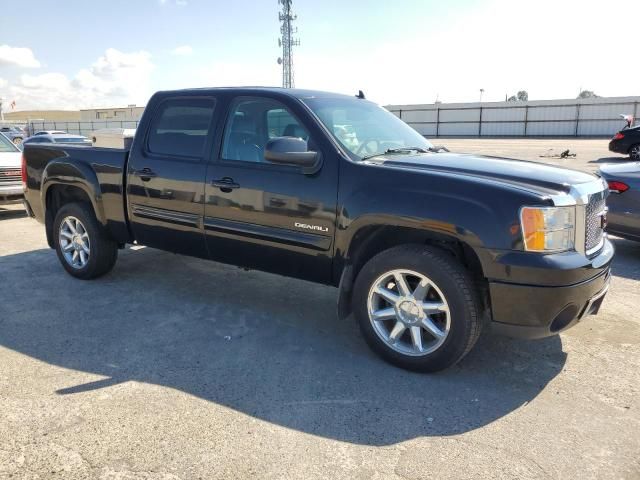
(166, 175)
(266, 216)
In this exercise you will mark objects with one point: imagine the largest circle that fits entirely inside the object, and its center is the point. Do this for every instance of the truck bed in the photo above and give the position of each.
(103, 168)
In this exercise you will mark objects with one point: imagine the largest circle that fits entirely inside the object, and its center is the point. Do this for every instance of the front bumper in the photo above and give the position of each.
(617, 146)
(12, 193)
(541, 310)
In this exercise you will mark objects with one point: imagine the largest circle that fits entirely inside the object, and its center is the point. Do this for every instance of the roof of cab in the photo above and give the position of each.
(291, 92)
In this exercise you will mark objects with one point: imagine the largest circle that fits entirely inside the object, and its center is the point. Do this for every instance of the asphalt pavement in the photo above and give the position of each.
(172, 367)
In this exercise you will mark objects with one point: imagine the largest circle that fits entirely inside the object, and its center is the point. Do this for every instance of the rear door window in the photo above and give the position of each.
(181, 127)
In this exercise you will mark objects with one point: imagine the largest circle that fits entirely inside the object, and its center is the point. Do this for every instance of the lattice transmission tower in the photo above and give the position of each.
(287, 42)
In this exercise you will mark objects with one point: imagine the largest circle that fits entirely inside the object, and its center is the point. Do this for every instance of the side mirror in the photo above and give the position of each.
(292, 151)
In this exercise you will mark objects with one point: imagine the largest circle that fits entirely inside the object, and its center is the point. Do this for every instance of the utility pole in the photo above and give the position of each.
(287, 42)
(1, 111)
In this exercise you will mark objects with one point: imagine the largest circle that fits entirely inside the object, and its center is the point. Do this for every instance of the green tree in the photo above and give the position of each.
(521, 96)
(587, 94)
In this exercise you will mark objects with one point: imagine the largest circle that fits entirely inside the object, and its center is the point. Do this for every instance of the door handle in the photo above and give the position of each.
(145, 174)
(225, 184)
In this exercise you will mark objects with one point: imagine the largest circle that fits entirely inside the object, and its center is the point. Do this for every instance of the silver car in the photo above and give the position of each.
(57, 137)
(624, 201)
(13, 133)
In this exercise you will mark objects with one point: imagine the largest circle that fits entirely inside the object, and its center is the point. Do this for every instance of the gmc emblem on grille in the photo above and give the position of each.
(603, 220)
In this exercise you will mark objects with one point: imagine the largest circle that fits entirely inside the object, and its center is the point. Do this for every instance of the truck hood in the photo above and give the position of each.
(533, 176)
(10, 159)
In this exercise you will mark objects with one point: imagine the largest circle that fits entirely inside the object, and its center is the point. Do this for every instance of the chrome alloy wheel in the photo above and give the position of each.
(74, 242)
(408, 312)
(635, 152)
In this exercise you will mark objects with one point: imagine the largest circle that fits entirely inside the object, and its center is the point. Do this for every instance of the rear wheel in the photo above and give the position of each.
(417, 308)
(634, 152)
(83, 248)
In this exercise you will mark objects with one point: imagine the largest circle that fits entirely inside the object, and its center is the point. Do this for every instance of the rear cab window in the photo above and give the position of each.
(180, 127)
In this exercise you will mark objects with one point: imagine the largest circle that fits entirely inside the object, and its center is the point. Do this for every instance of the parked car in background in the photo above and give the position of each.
(61, 137)
(50, 132)
(627, 141)
(624, 202)
(426, 247)
(13, 133)
(10, 173)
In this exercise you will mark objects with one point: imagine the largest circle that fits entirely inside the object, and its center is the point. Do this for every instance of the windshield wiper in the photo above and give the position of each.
(407, 149)
(403, 150)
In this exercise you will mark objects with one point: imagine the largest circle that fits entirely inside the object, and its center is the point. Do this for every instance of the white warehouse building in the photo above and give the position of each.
(563, 118)
(128, 113)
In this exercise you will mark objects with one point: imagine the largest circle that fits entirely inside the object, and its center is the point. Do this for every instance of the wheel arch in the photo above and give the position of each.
(56, 194)
(371, 240)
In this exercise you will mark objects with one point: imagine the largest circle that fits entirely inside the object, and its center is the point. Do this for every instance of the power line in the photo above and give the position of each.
(287, 42)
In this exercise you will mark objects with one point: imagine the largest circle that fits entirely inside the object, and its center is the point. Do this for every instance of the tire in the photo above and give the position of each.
(634, 152)
(454, 308)
(100, 252)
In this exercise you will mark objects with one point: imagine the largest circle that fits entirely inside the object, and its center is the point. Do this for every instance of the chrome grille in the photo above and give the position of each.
(595, 209)
(10, 175)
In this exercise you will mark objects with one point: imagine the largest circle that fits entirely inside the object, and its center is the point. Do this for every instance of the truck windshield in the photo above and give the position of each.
(366, 129)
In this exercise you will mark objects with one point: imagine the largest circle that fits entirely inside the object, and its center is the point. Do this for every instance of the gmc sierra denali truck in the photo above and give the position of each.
(426, 247)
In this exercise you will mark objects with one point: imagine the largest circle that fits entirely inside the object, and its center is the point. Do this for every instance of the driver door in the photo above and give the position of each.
(262, 215)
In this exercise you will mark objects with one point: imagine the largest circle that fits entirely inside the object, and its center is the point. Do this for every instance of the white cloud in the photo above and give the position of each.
(115, 78)
(3, 83)
(18, 56)
(179, 3)
(501, 46)
(183, 51)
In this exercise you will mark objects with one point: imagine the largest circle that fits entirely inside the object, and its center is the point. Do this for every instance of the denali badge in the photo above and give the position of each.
(311, 227)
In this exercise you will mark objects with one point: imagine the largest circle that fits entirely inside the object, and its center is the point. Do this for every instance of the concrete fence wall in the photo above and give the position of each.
(561, 118)
(79, 128)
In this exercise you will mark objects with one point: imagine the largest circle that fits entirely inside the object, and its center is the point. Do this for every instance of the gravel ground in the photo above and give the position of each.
(172, 367)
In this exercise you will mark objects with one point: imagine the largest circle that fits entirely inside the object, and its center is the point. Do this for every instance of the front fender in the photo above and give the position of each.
(481, 214)
(472, 220)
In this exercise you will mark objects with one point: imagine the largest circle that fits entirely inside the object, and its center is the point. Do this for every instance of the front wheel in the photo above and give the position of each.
(417, 308)
(634, 152)
(83, 248)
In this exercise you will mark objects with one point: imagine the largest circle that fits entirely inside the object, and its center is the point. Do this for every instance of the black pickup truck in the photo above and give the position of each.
(426, 247)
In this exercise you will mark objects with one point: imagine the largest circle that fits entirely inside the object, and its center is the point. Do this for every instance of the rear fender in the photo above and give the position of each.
(77, 174)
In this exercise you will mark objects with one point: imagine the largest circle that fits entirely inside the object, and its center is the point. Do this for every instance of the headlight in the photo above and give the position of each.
(548, 229)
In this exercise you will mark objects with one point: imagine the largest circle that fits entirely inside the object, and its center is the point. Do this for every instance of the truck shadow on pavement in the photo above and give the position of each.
(264, 345)
(9, 213)
(627, 260)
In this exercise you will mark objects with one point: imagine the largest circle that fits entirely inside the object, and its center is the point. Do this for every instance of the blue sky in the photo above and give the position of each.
(76, 53)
